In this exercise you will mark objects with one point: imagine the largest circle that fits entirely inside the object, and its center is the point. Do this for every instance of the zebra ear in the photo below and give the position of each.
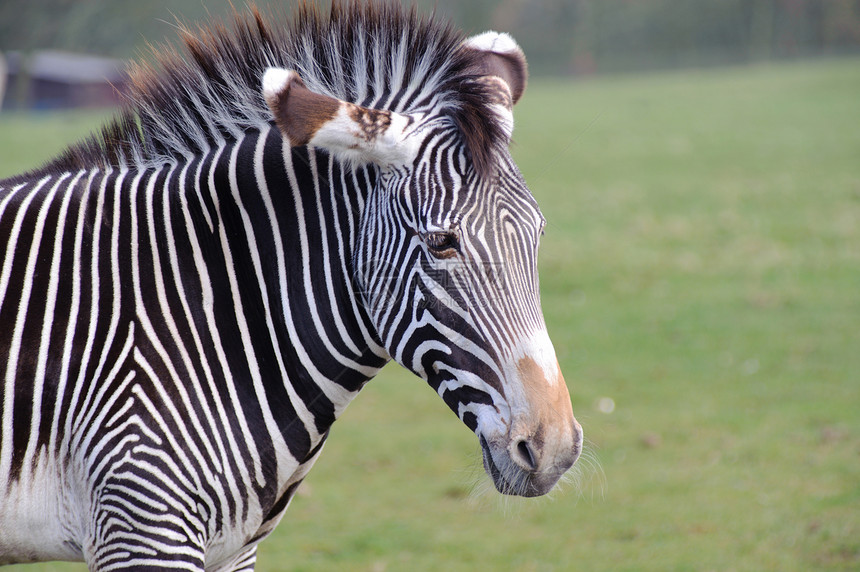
(499, 59)
(350, 132)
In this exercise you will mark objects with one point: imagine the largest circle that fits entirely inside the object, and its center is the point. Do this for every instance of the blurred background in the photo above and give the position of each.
(562, 37)
(699, 166)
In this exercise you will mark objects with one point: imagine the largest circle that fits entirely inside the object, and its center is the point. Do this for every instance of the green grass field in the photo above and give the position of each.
(701, 273)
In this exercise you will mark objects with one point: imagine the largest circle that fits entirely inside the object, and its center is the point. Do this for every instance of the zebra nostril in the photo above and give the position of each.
(526, 454)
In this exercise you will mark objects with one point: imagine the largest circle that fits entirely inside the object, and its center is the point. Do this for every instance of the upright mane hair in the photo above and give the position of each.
(207, 92)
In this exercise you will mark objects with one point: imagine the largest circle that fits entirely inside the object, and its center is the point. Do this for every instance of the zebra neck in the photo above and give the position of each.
(269, 233)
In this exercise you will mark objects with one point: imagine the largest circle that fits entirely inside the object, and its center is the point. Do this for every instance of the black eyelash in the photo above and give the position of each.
(443, 242)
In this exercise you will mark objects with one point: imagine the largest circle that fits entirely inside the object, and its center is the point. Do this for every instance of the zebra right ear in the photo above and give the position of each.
(350, 132)
(499, 56)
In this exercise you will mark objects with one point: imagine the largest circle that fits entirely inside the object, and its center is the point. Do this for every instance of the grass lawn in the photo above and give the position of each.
(701, 281)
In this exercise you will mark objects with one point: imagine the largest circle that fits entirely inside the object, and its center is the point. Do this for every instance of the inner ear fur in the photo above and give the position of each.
(498, 55)
(299, 112)
(352, 133)
(510, 68)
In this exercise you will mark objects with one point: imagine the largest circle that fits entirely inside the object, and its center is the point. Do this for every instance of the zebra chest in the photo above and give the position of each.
(177, 456)
(39, 519)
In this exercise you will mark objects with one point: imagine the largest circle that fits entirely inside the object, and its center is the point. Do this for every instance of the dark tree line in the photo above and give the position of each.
(559, 36)
(583, 36)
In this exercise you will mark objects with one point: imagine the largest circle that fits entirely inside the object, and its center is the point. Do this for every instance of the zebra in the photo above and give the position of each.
(191, 296)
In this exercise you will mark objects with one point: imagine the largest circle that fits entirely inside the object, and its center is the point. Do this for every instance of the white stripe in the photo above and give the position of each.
(12, 245)
(241, 322)
(221, 426)
(167, 398)
(17, 333)
(337, 394)
(305, 416)
(48, 319)
(74, 308)
(225, 429)
(344, 253)
(74, 422)
(207, 298)
(165, 315)
(107, 394)
(326, 263)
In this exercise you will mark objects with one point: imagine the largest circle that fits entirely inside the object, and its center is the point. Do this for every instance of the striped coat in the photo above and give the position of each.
(192, 296)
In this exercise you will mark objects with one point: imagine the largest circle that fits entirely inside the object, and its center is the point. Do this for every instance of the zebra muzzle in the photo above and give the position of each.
(541, 440)
(531, 466)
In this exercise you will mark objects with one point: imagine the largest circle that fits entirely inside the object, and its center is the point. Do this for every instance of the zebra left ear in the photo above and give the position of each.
(350, 132)
(498, 57)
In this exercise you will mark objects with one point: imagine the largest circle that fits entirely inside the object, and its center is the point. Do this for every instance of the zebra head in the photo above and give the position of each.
(446, 260)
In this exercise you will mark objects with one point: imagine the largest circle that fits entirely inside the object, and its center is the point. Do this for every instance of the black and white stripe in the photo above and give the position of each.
(188, 302)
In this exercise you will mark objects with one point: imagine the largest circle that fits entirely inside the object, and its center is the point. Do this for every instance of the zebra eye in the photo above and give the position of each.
(443, 243)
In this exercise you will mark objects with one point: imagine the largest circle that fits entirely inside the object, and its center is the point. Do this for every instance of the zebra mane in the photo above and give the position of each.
(207, 92)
